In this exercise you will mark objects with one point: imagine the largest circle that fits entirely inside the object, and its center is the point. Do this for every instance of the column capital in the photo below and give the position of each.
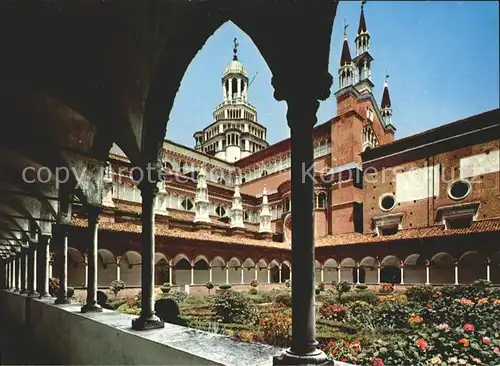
(118, 259)
(301, 85)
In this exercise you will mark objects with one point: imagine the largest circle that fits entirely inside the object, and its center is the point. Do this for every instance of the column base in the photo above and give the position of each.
(317, 357)
(24, 292)
(34, 294)
(45, 296)
(62, 301)
(152, 322)
(91, 308)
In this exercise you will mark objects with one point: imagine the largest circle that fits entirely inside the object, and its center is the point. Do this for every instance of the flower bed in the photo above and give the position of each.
(425, 325)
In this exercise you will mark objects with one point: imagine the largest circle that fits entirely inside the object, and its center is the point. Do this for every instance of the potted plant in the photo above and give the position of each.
(254, 283)
(209, 285)
(166, 287)
(116, 286)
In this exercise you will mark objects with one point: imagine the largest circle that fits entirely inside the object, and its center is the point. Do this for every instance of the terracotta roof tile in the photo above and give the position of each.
(481, 226)
(184, 234)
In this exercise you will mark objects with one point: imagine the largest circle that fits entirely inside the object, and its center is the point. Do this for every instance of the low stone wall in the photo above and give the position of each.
(107, 338)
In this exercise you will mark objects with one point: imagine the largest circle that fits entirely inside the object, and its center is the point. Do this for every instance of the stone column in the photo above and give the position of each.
(301, 116)
(242, 275)
(171, 272)
(62, 258)
(268, 274)
(192, 274)
(24, 289)
(427, 273)
(118, 261)
(51, 262)
(339, 274)
(322, 275)
(93, 231)
(357, 274)
(227, 274)
(378, 274)
(256, 272)
(31, 272)
(401, 268)
(456, 272)
(279, 274)
(43, 266)
(230, 89)
(488, 275)
(17, 274)
(148, 319)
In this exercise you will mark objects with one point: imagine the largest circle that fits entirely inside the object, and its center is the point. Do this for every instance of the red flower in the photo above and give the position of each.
(377, 362)
(429, 306)
(130, 301)
(422, 344)
(469, 327)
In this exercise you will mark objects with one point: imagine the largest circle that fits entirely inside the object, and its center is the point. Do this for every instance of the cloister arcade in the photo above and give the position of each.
(442, 268)
(179, 270)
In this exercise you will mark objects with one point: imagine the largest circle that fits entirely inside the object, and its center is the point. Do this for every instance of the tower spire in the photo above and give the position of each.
(363, 58)
(235, 49)
(362, 21)
(386, 105)
(346, 70)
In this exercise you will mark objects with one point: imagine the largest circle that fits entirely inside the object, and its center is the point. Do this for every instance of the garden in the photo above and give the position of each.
(448, 325)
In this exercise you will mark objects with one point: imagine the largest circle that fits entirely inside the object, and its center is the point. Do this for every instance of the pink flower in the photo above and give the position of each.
(422, 344)
(428, 306)
(496, 350)
(377, 362)
(486, 340)
(469, 327)
(444, 326)
(465, 301)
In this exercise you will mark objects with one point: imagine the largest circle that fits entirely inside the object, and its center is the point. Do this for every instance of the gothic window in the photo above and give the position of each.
(321, 200)
(243, 180)
(182, 166)
(167, 166)
(221, 181)
(264, 173)
(220, 211)
(245, 216)
(187, 204)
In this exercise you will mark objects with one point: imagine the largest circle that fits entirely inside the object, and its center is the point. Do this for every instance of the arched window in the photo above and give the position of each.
(286, 204)
(167, 166)
(187, 204)
(243, 180)
(220, 211)
(264, 173)
(321, 200)
(182, 164)
(245, 216)
(221, 181)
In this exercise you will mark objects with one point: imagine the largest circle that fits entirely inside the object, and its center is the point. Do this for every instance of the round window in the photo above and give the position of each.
(459, 190)
(387, 202)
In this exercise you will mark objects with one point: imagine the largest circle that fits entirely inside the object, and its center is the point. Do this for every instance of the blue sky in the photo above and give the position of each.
(442, 57)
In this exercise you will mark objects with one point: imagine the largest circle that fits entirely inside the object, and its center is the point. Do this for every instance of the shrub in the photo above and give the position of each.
(70, 292)
(225, 286)
(276, 328)
(288, 283)
(386, 288)
(361, 287)
(53, 286)
(283, 298)
(420, 293)
(168, 311)
(166, 287)
(116, 286)
(333, 312)
(254, 283)
(177, 296)
(231, 307)
(341, 288)
(321, 286)
(195, 300)
(366, 296)
(253, 291)
(209, 285)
